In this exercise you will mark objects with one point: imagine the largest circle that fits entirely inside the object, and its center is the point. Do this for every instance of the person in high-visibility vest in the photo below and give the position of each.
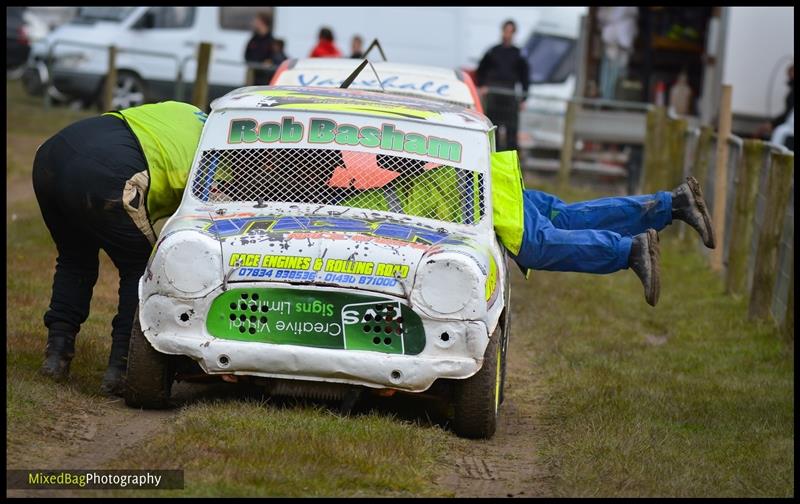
(540, 230)
(100, 184)
(423, 190)
(599, 236)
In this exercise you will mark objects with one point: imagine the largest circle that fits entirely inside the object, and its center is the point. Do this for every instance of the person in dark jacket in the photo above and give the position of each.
(259, 49)
(503, 67)
(789, 103)
(764, 131)
(278, 56)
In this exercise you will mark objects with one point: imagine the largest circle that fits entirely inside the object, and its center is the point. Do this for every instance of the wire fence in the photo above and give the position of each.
(758, 234)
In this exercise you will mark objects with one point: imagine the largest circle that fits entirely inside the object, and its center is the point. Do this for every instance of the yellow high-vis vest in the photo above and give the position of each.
(508, 210)
(169, 133)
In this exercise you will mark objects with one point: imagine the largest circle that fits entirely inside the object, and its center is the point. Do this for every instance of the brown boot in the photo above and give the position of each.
(114, 379)
(643, 261)
(689, 206)
(58, 354)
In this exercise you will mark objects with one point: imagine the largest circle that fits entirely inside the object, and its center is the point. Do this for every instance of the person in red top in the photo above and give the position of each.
(325, 48)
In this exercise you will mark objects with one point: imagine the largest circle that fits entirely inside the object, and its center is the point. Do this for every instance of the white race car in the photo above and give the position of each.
(331, 241)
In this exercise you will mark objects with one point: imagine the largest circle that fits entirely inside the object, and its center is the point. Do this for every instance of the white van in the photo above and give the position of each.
(551, 51)
(154, 45)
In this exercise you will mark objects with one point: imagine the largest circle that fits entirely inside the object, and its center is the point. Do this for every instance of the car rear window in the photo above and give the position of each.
(349, 178)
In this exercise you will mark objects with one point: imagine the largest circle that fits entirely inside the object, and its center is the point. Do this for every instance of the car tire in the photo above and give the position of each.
(150, 373)
(130, 91)
(476, 399)
(32, 81)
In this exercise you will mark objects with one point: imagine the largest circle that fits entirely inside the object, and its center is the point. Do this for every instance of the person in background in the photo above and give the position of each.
(618, 31)
(764, 131)
(356, 47)
(325, 47)
(503, 67)
(680, 95)
(259, 49)
(278, 56)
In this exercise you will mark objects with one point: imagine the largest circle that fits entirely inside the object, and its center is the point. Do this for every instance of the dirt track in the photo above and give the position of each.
(505, 466)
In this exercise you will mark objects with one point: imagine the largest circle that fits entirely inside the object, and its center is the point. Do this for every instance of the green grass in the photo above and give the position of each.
(33, 405)
(685, 399)
(253, 448)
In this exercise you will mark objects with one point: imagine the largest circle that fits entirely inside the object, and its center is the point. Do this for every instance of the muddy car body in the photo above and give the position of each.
(332, 238)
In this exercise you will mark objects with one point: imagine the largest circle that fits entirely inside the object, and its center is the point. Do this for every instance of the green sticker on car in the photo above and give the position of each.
(317, 319)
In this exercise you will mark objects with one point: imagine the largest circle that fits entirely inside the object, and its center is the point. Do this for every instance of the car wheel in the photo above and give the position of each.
(150, 373)
(32, 81)
(477, 399)
(129, 92)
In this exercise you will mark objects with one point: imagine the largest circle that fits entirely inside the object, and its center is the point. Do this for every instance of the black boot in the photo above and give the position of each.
(58, 353)
(689, 206)
(644, 262)
(114, 378)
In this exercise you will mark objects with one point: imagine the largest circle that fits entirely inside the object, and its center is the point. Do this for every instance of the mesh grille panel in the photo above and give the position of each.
(396, 184)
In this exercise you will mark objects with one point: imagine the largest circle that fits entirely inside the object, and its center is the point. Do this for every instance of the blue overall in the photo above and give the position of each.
(589, 236)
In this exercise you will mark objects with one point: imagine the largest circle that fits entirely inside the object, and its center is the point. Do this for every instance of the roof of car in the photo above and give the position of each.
(402, 78)
(352, 101)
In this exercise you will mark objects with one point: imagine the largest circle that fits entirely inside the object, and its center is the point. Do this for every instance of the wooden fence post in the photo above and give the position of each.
(702, 154)
(200, 91)
(676, 146)
(111, 79)
(744, 208)
(721, 177)
(766, 263)
(654, 150)
(569, 144)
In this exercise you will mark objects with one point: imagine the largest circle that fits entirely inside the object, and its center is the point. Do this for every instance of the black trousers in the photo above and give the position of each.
(503, 110)
(79, 176)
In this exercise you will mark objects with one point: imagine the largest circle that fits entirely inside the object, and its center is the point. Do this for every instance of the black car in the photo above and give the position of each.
(17, 44)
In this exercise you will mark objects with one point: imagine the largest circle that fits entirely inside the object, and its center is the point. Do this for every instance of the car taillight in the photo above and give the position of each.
(23, 35)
